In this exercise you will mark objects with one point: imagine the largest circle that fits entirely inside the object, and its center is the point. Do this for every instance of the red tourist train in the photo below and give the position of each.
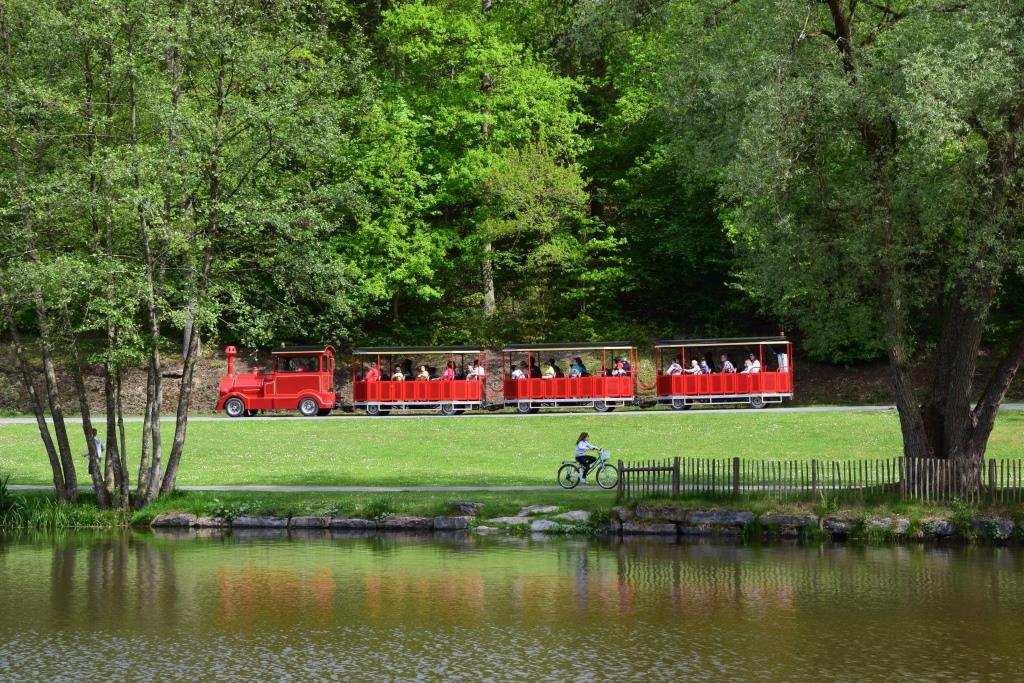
(453, 379)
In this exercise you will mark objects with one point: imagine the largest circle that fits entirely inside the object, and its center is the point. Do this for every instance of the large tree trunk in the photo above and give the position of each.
(96, 468)
(67, 460)
(487, 272)
(38, 411)
(199, 291)
(181, 418)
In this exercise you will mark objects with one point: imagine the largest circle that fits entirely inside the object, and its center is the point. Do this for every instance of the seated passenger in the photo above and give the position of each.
(407, 368)
(519, 372)
(746, 367)
(535, 372)
(705, 369)
(755, 364)
(727, 366)
(674, 369)
(423, 375)
(449, 371)
(476, 371)
(549, 372)
(694, 368)
(578, 369)
(398, 375)
(619, 370)
(554, 366)
(626, 365)
(373, 374)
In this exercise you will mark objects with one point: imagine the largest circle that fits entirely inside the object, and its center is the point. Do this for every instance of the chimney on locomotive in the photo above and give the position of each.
(230, 353)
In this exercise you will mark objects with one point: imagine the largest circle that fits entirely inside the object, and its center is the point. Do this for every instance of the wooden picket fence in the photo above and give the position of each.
(923, 479)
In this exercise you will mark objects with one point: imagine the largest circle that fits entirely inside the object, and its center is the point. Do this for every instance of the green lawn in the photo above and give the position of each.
(488, 450)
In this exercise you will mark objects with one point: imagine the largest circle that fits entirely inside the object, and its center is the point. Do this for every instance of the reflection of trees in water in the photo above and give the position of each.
(62, 579)
(108, 579)
(132, 581)
(749, 578)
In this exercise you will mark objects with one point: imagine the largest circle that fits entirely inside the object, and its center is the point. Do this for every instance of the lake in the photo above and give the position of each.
(138, 606)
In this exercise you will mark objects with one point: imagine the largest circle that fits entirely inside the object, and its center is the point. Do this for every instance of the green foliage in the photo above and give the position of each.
(856, 184)
(379, 508)
(48, 514)
(12, 507)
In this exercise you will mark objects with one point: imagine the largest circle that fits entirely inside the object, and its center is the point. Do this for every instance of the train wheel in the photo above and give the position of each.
(447, 409)
(308, 407)
(680, 404)
(234, 407)
(602, 407)
(524, 408)
(373, 410)
(757, 402)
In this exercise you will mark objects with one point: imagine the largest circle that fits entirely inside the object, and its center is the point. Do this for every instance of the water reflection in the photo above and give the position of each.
(274, 606)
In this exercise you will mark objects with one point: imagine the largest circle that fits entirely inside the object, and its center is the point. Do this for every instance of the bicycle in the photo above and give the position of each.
(570, 474)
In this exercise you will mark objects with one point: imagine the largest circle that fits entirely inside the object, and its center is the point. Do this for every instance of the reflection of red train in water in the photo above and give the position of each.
(452, 379)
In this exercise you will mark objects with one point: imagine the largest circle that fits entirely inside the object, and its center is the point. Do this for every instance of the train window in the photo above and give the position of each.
(299, 364)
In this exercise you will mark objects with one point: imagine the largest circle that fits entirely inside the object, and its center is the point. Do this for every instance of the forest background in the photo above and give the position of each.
(444, 171)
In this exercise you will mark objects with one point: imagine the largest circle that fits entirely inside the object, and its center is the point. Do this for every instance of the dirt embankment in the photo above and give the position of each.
(816, 383)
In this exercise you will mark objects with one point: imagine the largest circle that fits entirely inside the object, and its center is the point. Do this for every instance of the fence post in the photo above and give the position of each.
(735, 476)
(992, 479)
(622, 481)
(814, 477)
(675, 477)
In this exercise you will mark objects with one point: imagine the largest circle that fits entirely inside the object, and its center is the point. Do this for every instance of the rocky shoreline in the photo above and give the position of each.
(638, 520)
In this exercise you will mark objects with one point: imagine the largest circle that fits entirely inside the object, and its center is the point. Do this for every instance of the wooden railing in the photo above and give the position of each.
(923, 479)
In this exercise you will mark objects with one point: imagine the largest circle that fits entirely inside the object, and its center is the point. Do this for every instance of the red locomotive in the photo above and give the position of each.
(302, 378)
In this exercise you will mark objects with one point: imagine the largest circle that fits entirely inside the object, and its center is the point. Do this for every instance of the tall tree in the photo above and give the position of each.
(870, 164)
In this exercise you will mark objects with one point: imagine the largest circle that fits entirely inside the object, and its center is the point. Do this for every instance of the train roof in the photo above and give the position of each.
(302, 348)
(374, 350)
(573, 346)
(723, 341)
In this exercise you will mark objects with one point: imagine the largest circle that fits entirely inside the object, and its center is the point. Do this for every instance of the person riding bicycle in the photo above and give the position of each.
(583, 446)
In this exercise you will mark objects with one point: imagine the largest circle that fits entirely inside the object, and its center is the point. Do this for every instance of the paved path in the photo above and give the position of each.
(328, 489)
(484, 414)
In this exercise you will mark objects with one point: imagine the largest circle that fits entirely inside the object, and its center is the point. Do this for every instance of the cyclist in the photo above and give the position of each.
(583, 446)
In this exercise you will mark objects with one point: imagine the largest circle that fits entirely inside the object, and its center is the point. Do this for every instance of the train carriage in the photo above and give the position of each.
(770, 383)
(599, 389)
(379, 395)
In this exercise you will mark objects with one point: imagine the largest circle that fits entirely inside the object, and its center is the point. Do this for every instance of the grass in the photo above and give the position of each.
(486, 450)
(39, 511)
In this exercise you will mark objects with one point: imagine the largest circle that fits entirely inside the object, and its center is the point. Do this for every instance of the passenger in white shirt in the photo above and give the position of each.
(694, 368)
(674, 369)
(519, 372)
(755, 364)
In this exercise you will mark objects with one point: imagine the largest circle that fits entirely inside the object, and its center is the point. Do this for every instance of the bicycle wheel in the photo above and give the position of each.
(607, 477)
(568, 476)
